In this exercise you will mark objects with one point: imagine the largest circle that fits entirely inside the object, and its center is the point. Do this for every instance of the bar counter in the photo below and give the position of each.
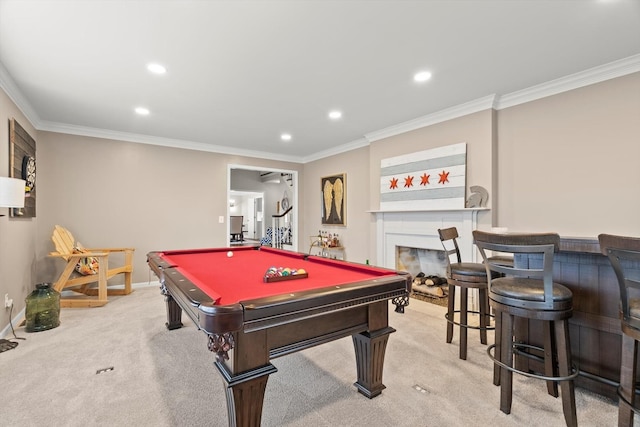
(595, 326)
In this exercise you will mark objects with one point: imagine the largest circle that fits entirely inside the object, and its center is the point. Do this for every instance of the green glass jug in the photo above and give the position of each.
(43, 308)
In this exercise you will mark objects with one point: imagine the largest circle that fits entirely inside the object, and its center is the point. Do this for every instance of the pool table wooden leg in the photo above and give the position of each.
(245, 394)
(174, 312)
(370, 348)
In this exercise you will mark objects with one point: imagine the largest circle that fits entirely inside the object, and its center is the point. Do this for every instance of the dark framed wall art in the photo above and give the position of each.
(334, 199)
(22, 164)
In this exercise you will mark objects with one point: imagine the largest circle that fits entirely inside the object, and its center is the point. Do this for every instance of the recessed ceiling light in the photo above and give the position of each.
(422, 76)
(142, 111)
(156, 68)
(285, 137)
(335, 114)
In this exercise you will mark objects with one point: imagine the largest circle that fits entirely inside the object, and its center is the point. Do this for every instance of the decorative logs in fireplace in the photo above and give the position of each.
(432, 286)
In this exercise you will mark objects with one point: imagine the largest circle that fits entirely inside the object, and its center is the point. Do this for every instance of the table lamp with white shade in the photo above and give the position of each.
(12, 192)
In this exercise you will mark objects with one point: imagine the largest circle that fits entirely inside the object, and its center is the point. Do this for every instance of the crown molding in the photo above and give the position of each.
(470, 107)
(164, 142)
(9, 87)
(593, 75)
(353, 145)
(588, 77)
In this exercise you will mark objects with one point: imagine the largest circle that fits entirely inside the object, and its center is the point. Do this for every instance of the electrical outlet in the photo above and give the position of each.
(221, 219)
(7, 301)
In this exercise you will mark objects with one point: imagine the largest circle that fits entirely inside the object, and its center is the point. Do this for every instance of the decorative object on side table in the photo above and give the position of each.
(329, 245)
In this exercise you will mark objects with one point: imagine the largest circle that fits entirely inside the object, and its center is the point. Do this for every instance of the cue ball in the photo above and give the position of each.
(229, 254)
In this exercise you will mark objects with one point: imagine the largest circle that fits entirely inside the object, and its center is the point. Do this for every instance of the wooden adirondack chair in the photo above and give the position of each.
(91, 296)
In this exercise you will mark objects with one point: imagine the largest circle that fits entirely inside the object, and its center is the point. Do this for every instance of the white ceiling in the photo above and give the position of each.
(240, 73)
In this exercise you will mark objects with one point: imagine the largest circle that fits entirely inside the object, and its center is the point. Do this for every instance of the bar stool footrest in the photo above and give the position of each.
(480, 328)
(574, 369)
(635, 409)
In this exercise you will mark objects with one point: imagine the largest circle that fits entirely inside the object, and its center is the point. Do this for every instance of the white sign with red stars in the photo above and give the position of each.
(430, 179)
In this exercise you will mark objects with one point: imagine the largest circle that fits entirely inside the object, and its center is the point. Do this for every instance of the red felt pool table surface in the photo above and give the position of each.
(230, 280)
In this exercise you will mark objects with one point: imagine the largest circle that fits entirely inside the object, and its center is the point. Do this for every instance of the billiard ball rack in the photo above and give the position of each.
(289, 277)
(279, 274)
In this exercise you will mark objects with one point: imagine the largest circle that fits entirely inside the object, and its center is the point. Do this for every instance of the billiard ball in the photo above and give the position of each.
(229, 254)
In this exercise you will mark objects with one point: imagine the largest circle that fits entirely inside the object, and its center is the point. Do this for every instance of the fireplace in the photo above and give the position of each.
(419, 230)
(428, 267)
(418, 260)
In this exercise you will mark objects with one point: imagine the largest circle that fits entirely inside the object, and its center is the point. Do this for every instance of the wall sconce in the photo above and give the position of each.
(12, 192)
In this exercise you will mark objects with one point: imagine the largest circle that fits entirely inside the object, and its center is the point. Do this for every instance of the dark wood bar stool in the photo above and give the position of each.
(464, 275)
(624, 255)
(525, 290)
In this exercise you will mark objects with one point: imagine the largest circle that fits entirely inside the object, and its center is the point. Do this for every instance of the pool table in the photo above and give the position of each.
(250, 320)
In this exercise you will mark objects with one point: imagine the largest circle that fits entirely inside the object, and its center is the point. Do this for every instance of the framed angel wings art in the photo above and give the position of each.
(334, 197)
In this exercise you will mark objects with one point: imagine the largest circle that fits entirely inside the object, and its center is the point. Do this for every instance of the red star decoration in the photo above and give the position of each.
(408, 181)
(424, 179)
(393, 183)
(444, 177)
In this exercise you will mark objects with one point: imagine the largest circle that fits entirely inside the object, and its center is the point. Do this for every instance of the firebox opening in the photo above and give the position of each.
(428, 267)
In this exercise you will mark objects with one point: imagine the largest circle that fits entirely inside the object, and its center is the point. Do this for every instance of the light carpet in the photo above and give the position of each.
(167, 378)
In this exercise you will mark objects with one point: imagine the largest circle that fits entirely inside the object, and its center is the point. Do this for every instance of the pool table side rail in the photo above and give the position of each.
(268, 312)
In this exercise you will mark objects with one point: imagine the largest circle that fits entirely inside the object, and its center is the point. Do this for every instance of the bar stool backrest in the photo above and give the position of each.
(624, 256)
(544, 244)
(448, 237)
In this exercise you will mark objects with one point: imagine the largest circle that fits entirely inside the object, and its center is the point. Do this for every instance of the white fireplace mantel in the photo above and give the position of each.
(419, 229)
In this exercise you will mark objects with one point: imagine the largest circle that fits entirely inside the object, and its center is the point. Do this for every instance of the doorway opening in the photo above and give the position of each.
(249, 206)
(261, 195)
